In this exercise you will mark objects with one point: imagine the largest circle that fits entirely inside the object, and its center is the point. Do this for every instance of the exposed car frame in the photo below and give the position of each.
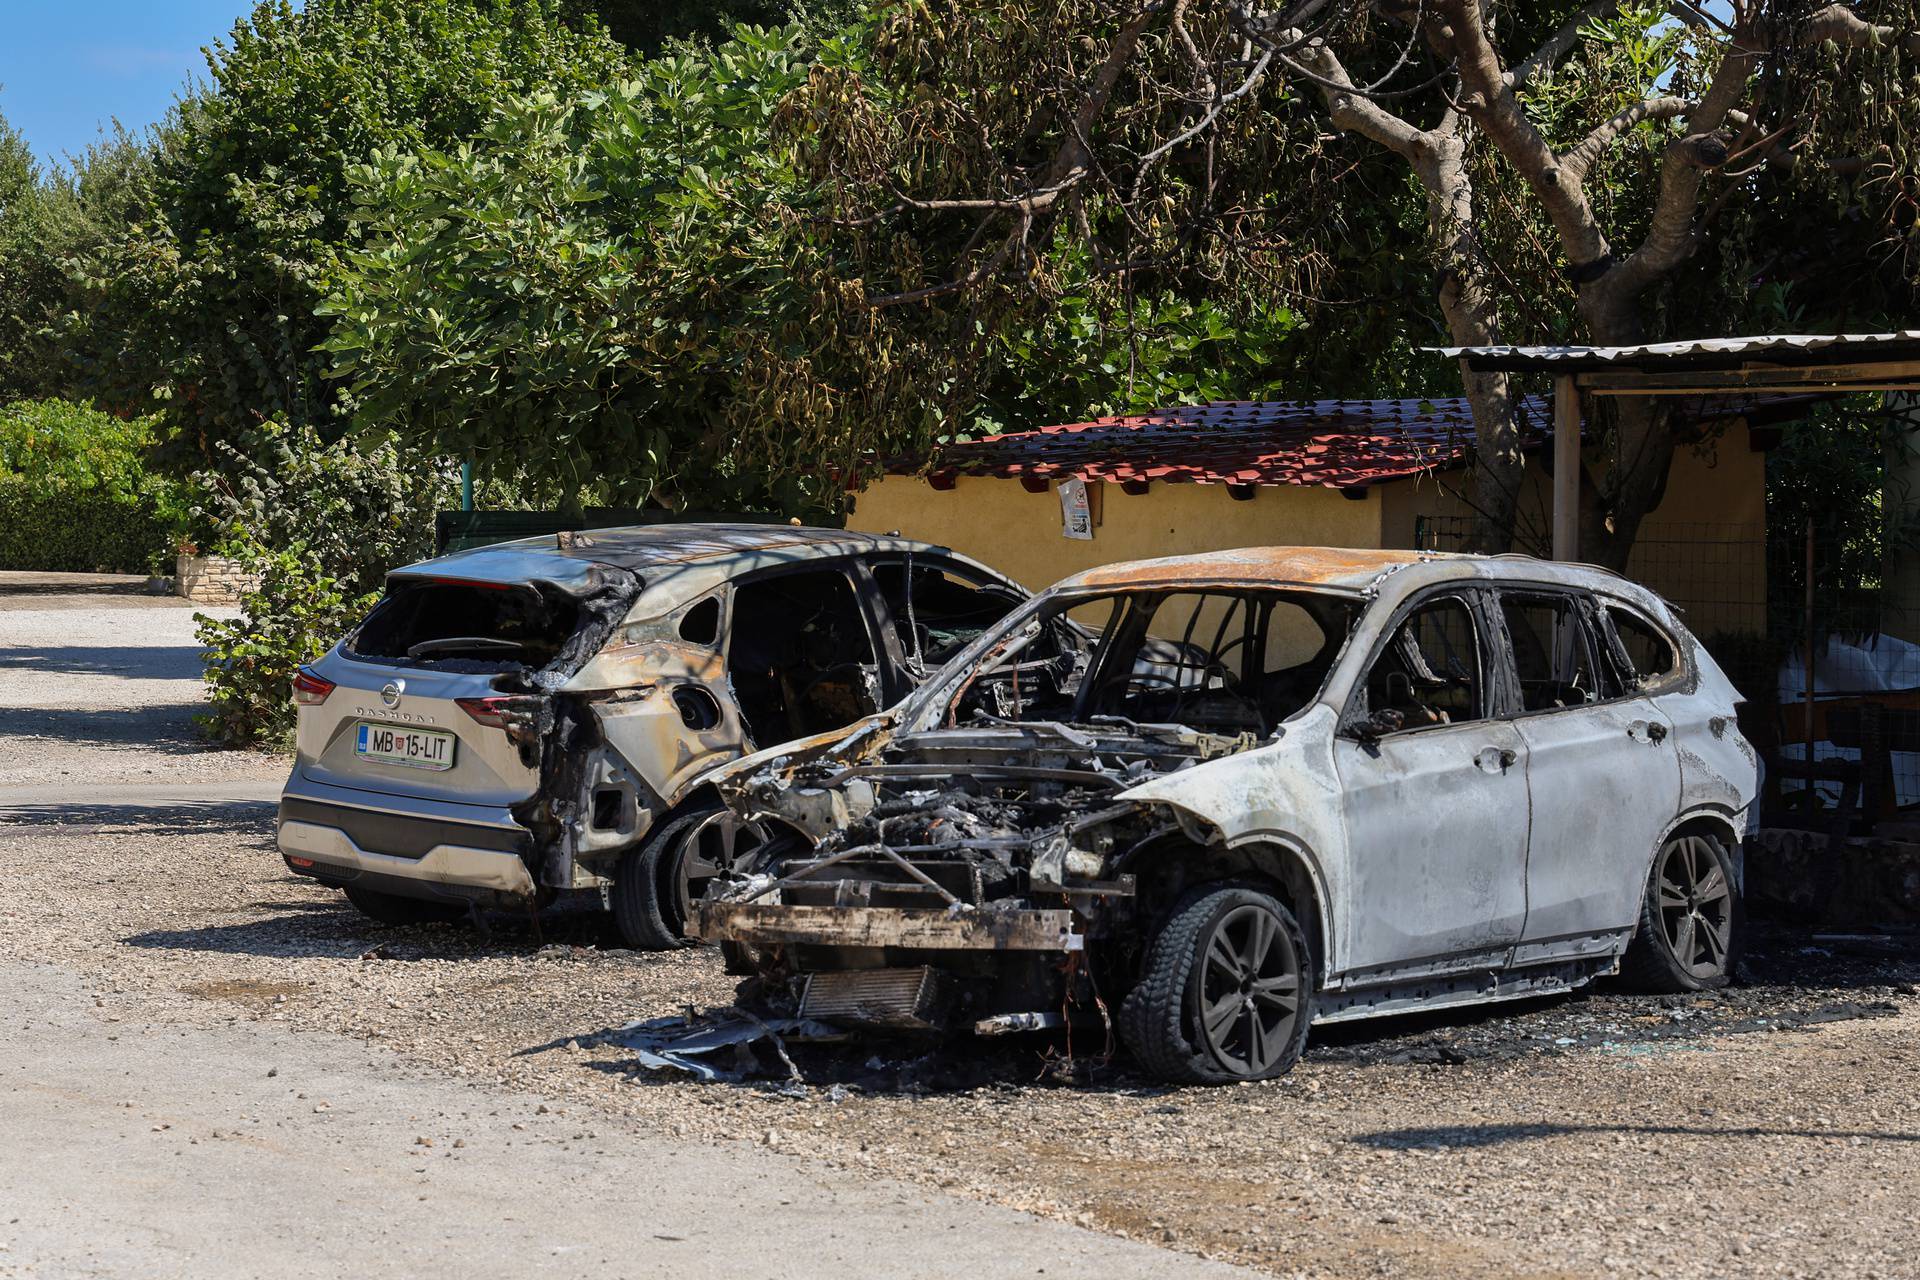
(1514, 851)
(576, 746)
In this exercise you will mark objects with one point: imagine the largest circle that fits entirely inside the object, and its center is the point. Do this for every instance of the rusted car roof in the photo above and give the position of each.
(1350, 568)
(655, 552)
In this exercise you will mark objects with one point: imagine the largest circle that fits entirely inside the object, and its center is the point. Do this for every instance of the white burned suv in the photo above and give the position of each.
(1222, 797)
(517, 720)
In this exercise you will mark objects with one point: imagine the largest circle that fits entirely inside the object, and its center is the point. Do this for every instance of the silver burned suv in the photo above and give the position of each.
(518, 720)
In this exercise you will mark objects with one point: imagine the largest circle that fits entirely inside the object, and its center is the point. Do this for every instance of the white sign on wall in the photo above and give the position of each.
(1076, 511)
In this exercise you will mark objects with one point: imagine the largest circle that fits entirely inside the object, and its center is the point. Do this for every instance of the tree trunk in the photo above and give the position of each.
(1473, 318)
(1635, 477)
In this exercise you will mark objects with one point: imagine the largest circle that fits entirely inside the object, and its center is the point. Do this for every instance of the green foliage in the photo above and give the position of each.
(206, 309)
(624, 296)
(649, 26)
(321, 524)
(75, 492)
(356, 512)
(49, 220)
(299, 610)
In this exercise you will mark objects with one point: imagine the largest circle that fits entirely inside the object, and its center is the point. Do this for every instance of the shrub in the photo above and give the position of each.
(75, 491)
(297, 613)
(321, 524)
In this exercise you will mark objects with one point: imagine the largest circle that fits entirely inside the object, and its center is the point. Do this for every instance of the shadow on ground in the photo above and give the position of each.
(246, 818)
(135, 662)
(1499, 1135)
(162, 729)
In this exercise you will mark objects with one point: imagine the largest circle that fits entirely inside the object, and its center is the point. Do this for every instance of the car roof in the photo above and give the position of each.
(1349, 569)
(1346, 568)
(707, 553)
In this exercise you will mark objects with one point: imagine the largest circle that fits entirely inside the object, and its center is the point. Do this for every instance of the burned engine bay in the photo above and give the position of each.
(993, 852)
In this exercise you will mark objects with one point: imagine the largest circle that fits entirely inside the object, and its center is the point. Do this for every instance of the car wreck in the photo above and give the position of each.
(1212, 800)
(521, 720)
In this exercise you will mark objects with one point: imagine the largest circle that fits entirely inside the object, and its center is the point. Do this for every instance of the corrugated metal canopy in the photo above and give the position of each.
(1699, 353)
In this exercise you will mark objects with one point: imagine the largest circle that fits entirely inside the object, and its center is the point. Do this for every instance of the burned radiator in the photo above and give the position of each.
(909, 998)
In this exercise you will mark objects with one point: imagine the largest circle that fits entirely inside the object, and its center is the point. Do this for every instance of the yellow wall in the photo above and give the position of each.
(1703, 547)
(1018, 533)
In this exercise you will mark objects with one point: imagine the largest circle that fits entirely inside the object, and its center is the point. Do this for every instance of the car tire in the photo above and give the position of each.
(392, 909)
(640, 910)
(1190, 969)
(1691, 919)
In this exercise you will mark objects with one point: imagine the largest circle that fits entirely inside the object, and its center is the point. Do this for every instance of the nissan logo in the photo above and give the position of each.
(391, 691)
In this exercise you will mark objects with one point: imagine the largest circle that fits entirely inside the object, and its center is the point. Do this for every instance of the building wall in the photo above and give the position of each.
(1703, 547)
(1000, 523)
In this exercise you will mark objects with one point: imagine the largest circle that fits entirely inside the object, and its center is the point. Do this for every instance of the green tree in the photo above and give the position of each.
(625, 295)
(206, 309)
(1544, 171)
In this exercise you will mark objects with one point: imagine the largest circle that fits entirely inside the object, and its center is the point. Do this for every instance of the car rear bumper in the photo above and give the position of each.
(322, 837)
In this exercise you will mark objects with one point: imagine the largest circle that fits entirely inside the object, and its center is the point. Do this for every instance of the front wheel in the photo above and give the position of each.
(1689, 932)
(1227, 991)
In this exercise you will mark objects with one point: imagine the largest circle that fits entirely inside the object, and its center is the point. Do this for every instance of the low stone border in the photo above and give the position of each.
(212, 579)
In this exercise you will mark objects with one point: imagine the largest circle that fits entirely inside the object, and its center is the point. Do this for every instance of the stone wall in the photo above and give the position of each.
(212, 579)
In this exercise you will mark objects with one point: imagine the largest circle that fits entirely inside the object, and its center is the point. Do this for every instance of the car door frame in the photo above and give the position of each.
(899, 678)
(1365, 970)
(866, 601)
(1553, 931)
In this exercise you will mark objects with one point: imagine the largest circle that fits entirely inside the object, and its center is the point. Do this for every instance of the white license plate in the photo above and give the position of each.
(414, 748)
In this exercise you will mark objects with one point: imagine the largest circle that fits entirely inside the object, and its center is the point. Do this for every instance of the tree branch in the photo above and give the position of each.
(1591, 147)
(1488, 97)
(1557, 45)
(1844, 27)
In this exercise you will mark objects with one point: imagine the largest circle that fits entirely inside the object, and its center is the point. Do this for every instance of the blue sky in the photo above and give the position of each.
(66, 69)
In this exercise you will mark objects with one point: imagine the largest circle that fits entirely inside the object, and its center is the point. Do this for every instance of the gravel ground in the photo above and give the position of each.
(1767, 1130)
(100, 683)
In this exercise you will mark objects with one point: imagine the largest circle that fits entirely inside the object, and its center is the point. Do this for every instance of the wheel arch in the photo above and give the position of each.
(1712, 820)
(1174, 863)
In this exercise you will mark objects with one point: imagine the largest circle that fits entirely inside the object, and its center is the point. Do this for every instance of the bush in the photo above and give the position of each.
(294, 617)
(76, 494)
(321, 524)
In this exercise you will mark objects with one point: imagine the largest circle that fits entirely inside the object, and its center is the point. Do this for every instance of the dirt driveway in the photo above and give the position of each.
(1773, 1129)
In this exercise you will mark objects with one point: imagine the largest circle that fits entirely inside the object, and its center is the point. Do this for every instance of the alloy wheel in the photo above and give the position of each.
(1250, 990)
(1696, 906)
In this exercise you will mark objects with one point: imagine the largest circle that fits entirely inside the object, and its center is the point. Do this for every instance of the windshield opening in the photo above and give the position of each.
(1221, 660)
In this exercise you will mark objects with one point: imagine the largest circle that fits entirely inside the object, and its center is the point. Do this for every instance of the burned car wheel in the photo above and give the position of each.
(639, 884)
(660, 879)
(1689, 934)
(1226, 993)
(392, 909)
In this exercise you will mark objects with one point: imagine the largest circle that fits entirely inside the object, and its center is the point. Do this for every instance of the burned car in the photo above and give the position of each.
(1218, 798)
(518, 720)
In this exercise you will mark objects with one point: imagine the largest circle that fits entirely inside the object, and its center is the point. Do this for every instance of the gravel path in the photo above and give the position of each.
(1770, 1130)
(99, 685)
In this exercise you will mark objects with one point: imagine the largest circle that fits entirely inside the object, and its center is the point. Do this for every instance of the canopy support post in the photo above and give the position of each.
(1566, 468)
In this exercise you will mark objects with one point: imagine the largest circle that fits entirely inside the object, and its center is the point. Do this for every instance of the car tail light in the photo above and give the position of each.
(310, 690)
(492, 712)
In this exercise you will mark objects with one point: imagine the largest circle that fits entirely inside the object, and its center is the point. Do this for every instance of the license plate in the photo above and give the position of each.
(414, 748)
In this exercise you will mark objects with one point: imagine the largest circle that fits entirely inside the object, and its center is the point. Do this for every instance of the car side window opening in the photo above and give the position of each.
(936, 610)
(1552, 654)
(1645, 646)
(1428, 673)
(701, 623)
(799, 655)
(1227, 662)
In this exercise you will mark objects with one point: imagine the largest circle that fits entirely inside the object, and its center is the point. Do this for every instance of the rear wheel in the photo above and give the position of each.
(392, 909)
(1227, 992)
(659, 880)
(1689, 933)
